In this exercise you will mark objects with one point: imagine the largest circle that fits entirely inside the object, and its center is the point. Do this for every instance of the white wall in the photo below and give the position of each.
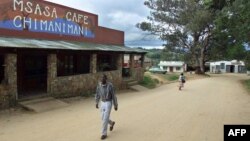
(180, 70)
(213, 65)
(216, 66)
(174, 68)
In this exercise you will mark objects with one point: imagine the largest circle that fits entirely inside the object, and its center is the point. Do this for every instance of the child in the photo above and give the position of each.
(181, 81)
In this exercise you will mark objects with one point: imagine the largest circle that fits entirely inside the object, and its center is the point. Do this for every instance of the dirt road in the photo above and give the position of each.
(197, 113)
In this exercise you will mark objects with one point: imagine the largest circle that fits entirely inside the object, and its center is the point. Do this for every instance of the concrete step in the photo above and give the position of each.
(132, 83)
(127, 80)
(43, 104)
(138, 88)
(35, 100)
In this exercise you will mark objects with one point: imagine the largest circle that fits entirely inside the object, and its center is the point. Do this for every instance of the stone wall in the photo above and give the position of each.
(64, 86)
(138, 73)
(3, 96)
(8, 88)
(84, 84)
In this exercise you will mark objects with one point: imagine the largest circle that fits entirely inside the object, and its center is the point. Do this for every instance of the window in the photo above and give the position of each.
(222, 66)
(1, 68)
(178, 68)
(217, 67)
(83, 64)
(165, 67)
(72, 64)
(138, 61)
(106, 62)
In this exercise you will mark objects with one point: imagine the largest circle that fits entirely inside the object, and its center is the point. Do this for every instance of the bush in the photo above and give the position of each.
(248, 67)
(156, 81)
(247, 84)
(149, 82)
(172, 77)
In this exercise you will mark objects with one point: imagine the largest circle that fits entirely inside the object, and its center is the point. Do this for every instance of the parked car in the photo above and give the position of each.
(157, 70)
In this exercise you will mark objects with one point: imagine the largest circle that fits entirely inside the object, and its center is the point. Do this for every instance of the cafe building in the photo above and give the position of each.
(53, 50)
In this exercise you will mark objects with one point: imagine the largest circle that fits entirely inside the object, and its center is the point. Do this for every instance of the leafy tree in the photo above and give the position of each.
(247, 61)
(169, 55)
(232, 31)
(184, 24)
(235, 22)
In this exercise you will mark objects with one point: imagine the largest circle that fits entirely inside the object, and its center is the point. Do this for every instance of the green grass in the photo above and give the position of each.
(149, 82)
(171, 77)
(247, 84)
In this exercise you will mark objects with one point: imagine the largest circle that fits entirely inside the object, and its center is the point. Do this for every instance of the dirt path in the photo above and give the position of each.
(197, 113)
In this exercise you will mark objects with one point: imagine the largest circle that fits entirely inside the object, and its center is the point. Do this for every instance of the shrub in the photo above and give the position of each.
(156, 81)
(148, 82)
(172, 77)
(247, 84)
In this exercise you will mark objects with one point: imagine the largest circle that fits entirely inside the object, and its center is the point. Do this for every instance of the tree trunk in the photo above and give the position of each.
(197, 65)
(202, 61)
(196, 53)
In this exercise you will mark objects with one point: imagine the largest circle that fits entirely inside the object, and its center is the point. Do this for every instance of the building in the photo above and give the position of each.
(173, 66)
(233, 66)
(52, 50)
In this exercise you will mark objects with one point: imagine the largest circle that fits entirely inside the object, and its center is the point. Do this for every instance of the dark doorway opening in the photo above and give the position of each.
(171, 69)
(32, 75)
(232, 69)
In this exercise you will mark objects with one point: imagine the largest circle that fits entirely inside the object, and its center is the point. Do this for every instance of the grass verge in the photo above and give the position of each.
(149, 82)
(246, 83)
(171, 77)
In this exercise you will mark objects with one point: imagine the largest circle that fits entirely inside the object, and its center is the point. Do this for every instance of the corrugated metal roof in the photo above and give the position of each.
(66, 45)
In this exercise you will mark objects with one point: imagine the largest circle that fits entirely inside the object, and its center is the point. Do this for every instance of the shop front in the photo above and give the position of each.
(59, 52)
(59, 72)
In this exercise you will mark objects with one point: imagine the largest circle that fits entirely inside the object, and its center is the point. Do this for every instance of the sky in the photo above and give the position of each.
(121, 15)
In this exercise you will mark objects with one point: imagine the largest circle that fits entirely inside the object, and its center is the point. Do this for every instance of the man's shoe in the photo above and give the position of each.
(103, 137)
(112, 126)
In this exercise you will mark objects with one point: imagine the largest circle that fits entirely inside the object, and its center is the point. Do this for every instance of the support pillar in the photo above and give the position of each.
(10, 77)
(120, 62)
(93, 63)
(52, 72)
(131, 64)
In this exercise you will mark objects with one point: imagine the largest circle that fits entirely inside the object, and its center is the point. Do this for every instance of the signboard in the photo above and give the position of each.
(44, 17)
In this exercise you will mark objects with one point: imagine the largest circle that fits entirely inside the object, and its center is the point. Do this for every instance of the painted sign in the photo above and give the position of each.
(39, 16)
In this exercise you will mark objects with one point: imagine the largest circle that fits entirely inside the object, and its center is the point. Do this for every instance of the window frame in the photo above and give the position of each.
(69, 64)
(178, 68)
(222, 66)
(109, 65)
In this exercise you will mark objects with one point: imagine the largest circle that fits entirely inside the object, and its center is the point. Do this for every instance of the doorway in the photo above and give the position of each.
(232, 68)
(171, 69)
(32, 75)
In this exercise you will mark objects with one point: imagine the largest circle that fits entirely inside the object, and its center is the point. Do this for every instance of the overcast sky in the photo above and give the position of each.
(118, 14)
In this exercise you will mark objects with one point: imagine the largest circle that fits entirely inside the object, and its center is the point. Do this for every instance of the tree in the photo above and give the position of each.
(232, 31)
(169, 55)
(184, 25)
(247, 61)
(234, 21)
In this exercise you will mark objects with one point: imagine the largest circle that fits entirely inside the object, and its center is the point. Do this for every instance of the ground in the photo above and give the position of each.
(197, 113)
(163, 77)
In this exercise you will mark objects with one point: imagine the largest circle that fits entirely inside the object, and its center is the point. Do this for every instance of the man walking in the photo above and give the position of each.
(105, 92)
